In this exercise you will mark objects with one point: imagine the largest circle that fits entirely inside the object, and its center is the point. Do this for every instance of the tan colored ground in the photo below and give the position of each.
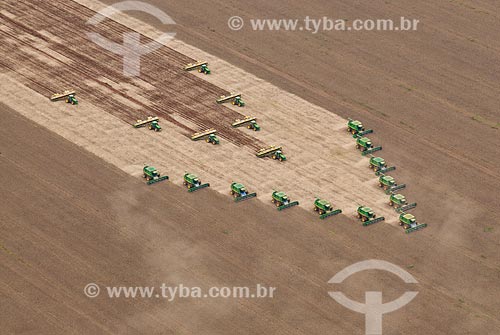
(322, 160)
(455, 260)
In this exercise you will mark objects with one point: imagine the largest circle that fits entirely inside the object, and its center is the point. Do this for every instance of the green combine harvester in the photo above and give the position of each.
(363, 143)
(235, 99)
(281, 200)
(389, 185)
(249, 121)
(152, 175)
(386, 182)
(68, 96)
(210, 136)
(202, 67)
(324, 208)
(71, 99)
(143, 123)
(273, 151)
(356, 128)
(398, 201)
(155, 126)
(193, 183)
(379, 165)
(238, 102)
(367, 216)
(409, 223)
(239, 192)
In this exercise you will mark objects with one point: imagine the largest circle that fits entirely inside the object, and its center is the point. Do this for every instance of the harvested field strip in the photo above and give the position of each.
(174, 91)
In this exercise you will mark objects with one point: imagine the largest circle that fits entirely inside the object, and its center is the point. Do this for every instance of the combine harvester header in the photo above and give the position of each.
(281, 200)
(152, 175)
(409, 223)
(235, 99)
(142, 123)
(406, 207)
(368, 223)
(202, 134)
(200, 65)
(240, 193)
(192, 66)
(272, 151)
(59, 96)
(209, 136)
(363, 133)
(356, 128)
(264, 152)
(231, 96)
(193, 183)
(395, 188)
(371, 150)
(385, 170)
(250, 121)
(398, 201)
(367, 216)
(324, 208)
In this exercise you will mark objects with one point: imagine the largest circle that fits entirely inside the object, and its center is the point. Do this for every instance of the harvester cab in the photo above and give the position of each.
(357, 129)
(363, 143)
(397, 200)
(377, 163)
(204, 69)
(155, 126)
(386, 182)
(71, 99)
(367, 216)
(238, 102)
(152, 175)
(389, 185)
(279, 156)
(253, 125)
(281, 200)
(365, 213)
(193, 183)
(409, 223)
(212, 138)
(239, 192)
(354, 126)
(324, 208)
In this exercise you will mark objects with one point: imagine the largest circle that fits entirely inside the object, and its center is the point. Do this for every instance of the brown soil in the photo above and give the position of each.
(62, 229)
(70, 219)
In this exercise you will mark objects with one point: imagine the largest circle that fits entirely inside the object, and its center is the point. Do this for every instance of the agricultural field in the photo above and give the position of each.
(76, 209)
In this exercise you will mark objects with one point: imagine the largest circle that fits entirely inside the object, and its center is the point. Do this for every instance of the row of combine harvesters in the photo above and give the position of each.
(239, 192)
(386, 182)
